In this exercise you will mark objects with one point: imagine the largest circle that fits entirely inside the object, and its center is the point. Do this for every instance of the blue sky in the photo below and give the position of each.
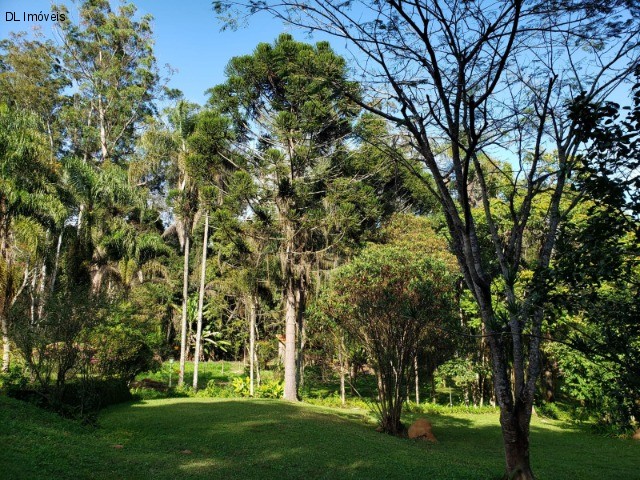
(188, 37)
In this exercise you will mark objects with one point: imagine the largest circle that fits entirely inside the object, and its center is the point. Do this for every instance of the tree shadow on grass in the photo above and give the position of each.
(271, 439)
(262, 439)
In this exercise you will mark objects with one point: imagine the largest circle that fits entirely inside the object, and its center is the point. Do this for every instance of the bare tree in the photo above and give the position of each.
(487, 79)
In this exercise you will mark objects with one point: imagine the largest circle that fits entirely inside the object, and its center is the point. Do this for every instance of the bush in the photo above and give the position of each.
(121, 352)
(89, 396)
(548, 410)
(271, 389)
(13, 380)
(241, 386)
(437, 409)
(216, 390)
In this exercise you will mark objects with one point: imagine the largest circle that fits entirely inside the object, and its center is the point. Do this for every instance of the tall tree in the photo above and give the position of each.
(28, 190)
(210, 166)
(32, 79)
(284, 101)
(109, 56)
(163, 168)
(487, 76)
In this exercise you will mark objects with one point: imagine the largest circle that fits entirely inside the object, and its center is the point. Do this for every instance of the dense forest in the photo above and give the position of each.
(462, 217)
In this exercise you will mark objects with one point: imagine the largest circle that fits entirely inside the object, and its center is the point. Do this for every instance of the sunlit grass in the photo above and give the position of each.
(263, 439)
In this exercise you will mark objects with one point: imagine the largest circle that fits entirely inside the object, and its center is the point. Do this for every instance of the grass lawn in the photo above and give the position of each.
(264, 439)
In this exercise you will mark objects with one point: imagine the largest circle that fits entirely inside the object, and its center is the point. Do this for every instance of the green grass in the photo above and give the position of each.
(263, 439)
(221, 372)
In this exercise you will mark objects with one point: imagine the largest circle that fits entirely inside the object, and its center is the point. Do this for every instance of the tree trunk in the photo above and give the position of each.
(251, 307)
(183, 323)
(341, 358)
(417, 379)
(5, 288)
(6, 348)
(301, 337)
(515, 431)
(290, 370)
(56, 262)
(203, 272)
(515, 413)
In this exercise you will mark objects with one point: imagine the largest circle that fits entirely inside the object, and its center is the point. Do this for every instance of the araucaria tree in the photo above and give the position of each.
(290, 105)
(488, 77)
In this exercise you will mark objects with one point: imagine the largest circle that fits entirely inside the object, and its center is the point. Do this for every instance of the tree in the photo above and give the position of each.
(388, 297)
(598, 251)
(32, 79)
(294, 124)
(109, 56)
(487, 76)
(210, 166)
(28, 191)
(162, 167)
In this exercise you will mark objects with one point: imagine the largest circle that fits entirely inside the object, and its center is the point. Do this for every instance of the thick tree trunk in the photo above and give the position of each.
(515, 413)
(203, 271)
(183, 323)
(301, 337)
(251, 307)
(515, 431)
(290, 370)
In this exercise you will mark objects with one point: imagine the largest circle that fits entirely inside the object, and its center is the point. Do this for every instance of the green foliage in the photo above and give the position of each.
(240, 386)
(87, 397)
(13, 380)
(121, 351)
(270, 389)
(460, 371)
(548, 410)
(215, 390)
(388, 297)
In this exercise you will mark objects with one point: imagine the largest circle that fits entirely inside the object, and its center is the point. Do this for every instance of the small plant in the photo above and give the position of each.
(217, 390)
(271, 389)
(241, 386)
(13, 380)
(548, 410)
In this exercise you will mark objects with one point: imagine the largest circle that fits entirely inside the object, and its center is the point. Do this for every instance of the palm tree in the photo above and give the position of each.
(163, 165)
(28, 195)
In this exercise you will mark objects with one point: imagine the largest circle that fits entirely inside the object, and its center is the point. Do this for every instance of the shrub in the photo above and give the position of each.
(81, 398)
(121, 352)
(548, 410)
(13, 380)
(270, 389)
(389, 298)
(216, 390)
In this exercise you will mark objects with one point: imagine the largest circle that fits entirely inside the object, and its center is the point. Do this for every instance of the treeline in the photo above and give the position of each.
(283, 216)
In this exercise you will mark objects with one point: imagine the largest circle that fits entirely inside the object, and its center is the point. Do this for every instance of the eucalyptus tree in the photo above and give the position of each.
(28, 195)
(294, 123)
(32, 79)
(109, 57)
(486, 76)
